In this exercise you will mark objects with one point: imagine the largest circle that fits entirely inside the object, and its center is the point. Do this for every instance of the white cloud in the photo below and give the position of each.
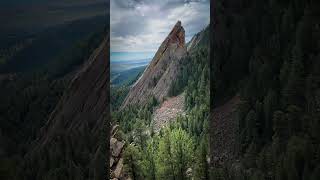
(142, 25)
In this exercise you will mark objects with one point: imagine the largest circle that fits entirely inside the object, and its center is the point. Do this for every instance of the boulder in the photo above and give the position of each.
(111, 161)
(118, 170)
(116, 147)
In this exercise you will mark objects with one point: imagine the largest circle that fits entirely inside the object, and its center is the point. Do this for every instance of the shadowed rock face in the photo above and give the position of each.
(162, 70)
(74, 127)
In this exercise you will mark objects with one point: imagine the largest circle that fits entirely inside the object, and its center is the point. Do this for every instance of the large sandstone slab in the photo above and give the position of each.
(162, 70)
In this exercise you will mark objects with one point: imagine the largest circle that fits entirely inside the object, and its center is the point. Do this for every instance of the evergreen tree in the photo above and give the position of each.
(165, 165)
(132, 157)
(201, 166)
(174, 155)
(149, 160)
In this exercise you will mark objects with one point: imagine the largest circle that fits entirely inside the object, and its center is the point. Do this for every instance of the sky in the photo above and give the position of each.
(142, 25)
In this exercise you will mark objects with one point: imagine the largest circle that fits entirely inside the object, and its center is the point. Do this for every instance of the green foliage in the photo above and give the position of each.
(277, 84)
(175, 154)
(117, 96)
(201, 167)
(180, 150)
(193, 78)
(131, 158)
(149, 161)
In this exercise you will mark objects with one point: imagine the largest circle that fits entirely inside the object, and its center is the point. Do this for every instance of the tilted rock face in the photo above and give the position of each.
(199, 39)
(74, 127)
(162, 70)
(116, 159)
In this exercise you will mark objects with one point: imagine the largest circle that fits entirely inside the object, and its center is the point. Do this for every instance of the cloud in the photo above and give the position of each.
(142, 25)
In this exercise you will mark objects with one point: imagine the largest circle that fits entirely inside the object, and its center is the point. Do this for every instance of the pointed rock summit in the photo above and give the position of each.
(177, 35)
(162, 70)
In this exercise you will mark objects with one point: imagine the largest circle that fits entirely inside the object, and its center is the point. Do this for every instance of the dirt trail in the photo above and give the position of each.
(168, 111)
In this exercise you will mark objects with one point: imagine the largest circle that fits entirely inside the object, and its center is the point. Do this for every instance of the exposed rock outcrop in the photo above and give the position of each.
(116, 159)
(162, 70)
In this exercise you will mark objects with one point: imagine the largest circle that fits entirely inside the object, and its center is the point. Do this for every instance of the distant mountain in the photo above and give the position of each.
(127, 77)
(120, 66)
(173, 90)
(162, 70)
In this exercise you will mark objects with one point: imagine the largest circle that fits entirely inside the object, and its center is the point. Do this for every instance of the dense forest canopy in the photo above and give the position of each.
(268, 53)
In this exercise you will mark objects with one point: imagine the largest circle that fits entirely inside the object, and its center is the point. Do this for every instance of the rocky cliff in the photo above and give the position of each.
(201, 39)
(116, 158)
(69, 142)
(162, 70)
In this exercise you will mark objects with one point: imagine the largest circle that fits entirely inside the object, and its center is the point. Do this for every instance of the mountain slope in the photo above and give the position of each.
(267, 54)
(201, 39)
(173, 128)
(68, 145)
(162, 70)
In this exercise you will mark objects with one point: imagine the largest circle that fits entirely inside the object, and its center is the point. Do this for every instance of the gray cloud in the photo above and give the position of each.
(142, 25)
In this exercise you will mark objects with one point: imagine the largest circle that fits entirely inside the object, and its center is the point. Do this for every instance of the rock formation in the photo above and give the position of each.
(162, 70)
(199, 39)
(116, 160)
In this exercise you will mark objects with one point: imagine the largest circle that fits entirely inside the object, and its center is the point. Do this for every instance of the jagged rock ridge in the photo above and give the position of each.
(162, 70)
(199, 39)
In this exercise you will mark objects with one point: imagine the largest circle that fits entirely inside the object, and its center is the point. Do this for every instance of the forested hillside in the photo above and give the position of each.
(268, 53)
(180, 149)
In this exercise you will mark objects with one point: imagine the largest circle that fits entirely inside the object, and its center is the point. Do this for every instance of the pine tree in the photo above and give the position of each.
(201, 167)
(132, 159)
(140, 133)
(149, 162)
(174, 155)
(164, 161)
